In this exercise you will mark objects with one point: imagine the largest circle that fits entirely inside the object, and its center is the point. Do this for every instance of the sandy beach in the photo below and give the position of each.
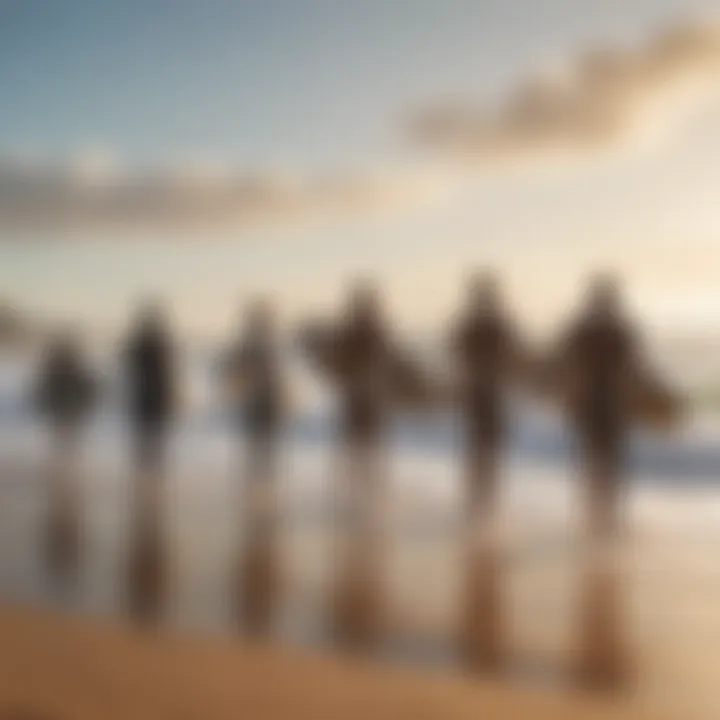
(55, 667)
(668, 595)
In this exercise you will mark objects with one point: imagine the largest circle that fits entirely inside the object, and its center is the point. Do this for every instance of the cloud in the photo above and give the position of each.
(94, 192)
(599, 100)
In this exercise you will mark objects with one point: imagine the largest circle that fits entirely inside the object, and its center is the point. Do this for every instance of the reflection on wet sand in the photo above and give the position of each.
(605, 660)
(148, 561)
(481, 611)
(482, 617)
(358, 614)
(63, 531)
(257, 577)
(358, 589)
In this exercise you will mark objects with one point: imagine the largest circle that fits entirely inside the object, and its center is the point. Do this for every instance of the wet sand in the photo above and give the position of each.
(55, 667)
(666, 612)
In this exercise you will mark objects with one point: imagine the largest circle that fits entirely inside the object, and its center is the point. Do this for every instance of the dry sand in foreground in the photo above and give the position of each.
(54, 667)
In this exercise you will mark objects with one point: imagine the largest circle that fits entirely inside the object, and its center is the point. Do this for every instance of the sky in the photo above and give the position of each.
(210, 150)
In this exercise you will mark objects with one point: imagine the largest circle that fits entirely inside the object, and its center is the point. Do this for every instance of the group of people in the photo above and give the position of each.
(597, 372)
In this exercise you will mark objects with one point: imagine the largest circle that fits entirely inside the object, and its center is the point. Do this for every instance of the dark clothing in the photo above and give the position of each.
(482, 347)
(150, 377)
(362, 359)
(481, 344)
(601, 359)
(66, 389)
(254, 367)
(600, 367)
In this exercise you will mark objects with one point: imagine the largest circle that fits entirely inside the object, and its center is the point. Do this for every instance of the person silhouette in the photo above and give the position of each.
(147, 563)
(66, 387)
(363, 363)
(150, 376)
(487, 358)
(65, 393)
(149, 366)
(606, 387)
(599, 364)
(252, 376)
(254, 384)
(363, 359)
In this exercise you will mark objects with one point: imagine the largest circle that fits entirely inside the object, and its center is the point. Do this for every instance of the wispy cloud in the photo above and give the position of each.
(597, 100)
(93, 192)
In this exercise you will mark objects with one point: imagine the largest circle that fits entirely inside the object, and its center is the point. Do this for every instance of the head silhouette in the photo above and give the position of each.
(151, 320)
(64, 345)
(364, 303)
(260, 316)
(604, 297)
(483, 293)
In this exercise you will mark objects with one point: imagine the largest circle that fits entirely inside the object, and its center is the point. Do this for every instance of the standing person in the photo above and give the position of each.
(486, 357)
(606, 388)
(362, 351)
(149, 366)
(65, 394)
(253, 379)
(254, 386)
(599, 364)
(362, 360)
